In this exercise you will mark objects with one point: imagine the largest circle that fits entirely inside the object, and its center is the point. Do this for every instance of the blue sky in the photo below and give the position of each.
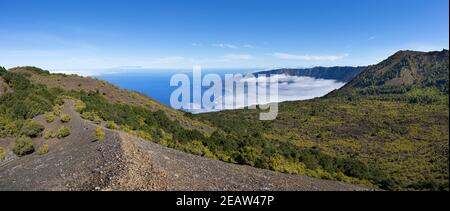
(70, 35)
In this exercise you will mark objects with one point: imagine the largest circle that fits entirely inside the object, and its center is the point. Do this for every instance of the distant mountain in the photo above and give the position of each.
(404, 72)
(407, 69)
(343, 74)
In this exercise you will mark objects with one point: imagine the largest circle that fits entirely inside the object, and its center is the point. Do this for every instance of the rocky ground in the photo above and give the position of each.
(124, 162)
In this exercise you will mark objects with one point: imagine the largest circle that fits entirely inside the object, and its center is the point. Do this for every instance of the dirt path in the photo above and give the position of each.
(124, 162)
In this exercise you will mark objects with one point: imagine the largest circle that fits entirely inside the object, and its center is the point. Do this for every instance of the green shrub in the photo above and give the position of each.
(43, 150)
(49, 117)
(91, 116)
(32, 129)
(2, 153)
(97, 120)
(248, 155)
(79, 105)
(60, 100)
(28, 100)
(57, 110)
(48, 134)
(88, 116)
(111, 125)
(100, 135)
(65, 118)
(23, 146)
(63, 132)
(143, 135)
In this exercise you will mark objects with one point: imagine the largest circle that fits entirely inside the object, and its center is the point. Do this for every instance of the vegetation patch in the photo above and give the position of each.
(2, 153)
(63, 132)
(49, 117)
(385, 141)
(65, 118)
(42, 150)
(23, 146)
(32, 129)
(100, 134)
(111, 125)
(48, 134)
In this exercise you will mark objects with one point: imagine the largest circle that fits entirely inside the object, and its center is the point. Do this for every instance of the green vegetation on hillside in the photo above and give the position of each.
(27, 100)
(23, 103)
(393, 128)
(404, 145)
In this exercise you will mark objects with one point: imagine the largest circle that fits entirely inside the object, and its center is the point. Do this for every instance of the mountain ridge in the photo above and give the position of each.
(408, 71)
(339, 73)
(402, 72)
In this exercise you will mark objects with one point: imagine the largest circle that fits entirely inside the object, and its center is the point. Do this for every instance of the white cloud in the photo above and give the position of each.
(287, 56)
(238, 57)
(196, 44)
(372, 38)
(290, 88)
(83, 72)
(225, 45)
(232, 46)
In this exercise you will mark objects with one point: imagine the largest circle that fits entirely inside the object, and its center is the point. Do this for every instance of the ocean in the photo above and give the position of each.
(156, 84)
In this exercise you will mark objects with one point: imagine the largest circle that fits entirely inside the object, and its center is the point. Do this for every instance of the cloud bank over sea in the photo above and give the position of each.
(290, 88)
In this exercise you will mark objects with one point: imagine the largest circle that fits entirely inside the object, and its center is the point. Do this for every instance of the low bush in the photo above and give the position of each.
(57, 110)
(111, 125)
(32, 129)
(63, 132)
(48, 134)
(97, 120)
(88, 116)
(79, 106)
(91, 116)
(49, 117)
(23, 146)
(100, 135)
(65, 118)
(43, 150)
(2, 153)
